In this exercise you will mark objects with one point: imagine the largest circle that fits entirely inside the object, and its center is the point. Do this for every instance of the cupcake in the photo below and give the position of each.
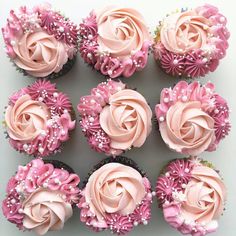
(114, 118)
(116, 196)
(192, 118)
(115, 41)
(192, 195)
(41, 42)
(38, 119)
(40, 196)
(190, 43)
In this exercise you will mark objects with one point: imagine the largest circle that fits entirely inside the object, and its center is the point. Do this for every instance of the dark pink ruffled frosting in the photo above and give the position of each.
(35, 131)
(192, 118)
(39, 40)
(191, 43)
(111, 54)
(44, 178)
(114, 217)
(192, 196)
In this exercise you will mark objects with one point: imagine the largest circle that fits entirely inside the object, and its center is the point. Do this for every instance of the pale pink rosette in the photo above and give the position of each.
(115, 41)
(116, 197)
(190, 43)
(192, 196)
(114, 118)
(40, 196)
(192, 118)
(40, 41)
(38, 119)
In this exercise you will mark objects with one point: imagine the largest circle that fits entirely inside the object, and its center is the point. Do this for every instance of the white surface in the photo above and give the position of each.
(154, 154)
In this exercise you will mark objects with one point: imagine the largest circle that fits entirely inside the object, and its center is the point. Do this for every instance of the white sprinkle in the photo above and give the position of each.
(145, 222)
(161, 119)
(61, 29)
(55, 95)
(175, 62)
(204, 60)
(25, 146)
(166, 100)
(135, 223)
(184, 98)
(41, 150)
(109, 72)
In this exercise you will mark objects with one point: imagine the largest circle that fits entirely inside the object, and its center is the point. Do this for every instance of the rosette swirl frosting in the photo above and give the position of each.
(114, 188)
(127, 119)
(121, 31)
(45, 210)
(187, 128)
(26, 119)
(205, 196)
(40, 54)
(185, 31)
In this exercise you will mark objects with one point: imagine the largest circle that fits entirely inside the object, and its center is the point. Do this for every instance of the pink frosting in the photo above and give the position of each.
(192, 109)
(39, 197)
(26, 119)
(118, 52)
(114, 188)
(187, 129)
(196, 205)
(45, 210)
(191, 43)
(121, 31)
(127, 119)
(38, 119)
(205, 196)
(185, 31)
(39, 40)
(40, 54)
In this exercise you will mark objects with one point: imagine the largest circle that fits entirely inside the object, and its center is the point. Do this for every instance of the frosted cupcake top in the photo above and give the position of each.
(191, 42)
(115, 41)
(40, 41)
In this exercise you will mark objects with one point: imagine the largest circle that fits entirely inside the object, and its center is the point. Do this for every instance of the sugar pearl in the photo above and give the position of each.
(55, 95)
(41, 150)
(204, 60)
(25, 146)
(175, 62)
(40, 99)
(135, 223)
(20, 210)
(13, 201)
(161, 119)
(109, 72)
(184, 98)
(90, 37)
(61, 29)
(166, 100)
(145, 222)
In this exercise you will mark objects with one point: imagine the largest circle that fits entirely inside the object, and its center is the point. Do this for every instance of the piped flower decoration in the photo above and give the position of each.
(115, 41)
(190, 43)
(192, 195)
(38, 119)
(116, 198)
(114, 119)
(40, 41)
(192, 118)
(40, 196)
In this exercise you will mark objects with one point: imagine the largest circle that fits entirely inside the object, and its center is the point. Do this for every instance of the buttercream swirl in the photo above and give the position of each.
(114, 188)
(127, 119)
(26, 119)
